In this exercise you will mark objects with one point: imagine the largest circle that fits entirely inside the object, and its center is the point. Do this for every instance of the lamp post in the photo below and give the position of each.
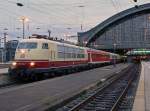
(49, 33)
(37, 30)
(18, 38)
(0, 42)
(5, 50)
(23, 19)
(68, 33)
(18, 33)
(5, 34)
(82, 13)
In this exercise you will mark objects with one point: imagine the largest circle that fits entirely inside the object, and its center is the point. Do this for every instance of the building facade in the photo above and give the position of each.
(129, 29)
(11, 49)
(2, 55)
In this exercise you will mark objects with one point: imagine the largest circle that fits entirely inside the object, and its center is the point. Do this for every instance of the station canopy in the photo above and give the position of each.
(138, 52)
(129, 29)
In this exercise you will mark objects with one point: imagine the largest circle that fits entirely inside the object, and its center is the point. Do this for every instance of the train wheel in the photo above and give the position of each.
(65, 71)
(46, 75)
(34, 77)
(75, 69)
(51, 74)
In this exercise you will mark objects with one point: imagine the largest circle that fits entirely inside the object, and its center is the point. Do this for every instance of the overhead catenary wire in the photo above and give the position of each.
(56, 17)
(60, 14)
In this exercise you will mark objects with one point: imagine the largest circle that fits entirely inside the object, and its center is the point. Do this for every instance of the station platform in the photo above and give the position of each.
(3, 70)
(142, 99)
(5, 65)
(43, 94)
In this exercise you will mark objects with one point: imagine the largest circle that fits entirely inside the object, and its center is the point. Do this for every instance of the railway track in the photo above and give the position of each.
(105, 97)
(6, 81)
(7, 85)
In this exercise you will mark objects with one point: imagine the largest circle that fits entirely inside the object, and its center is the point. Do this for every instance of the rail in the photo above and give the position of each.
(108, 96)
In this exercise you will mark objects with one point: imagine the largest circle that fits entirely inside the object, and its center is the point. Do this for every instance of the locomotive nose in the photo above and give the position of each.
(23, 64)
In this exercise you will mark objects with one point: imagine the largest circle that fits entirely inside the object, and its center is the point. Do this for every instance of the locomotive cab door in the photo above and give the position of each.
(90, 57)
(52, 54)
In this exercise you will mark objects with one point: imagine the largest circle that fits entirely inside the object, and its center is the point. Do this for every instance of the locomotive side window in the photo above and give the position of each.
(70, 52)
(27, 45)
(67, 52)
(45, 46)
(73, 52)
(80, 53)
(61, 55)
(60, 48)
(61, 51)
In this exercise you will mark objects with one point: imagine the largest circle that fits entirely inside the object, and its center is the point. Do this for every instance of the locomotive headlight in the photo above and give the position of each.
(14, 63)
(32, 64)
(22, 51)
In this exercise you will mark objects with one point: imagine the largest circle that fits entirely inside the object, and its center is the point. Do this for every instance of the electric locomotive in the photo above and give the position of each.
(36, 57)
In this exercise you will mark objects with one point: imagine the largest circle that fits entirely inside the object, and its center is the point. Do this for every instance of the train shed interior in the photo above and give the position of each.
(122, 33)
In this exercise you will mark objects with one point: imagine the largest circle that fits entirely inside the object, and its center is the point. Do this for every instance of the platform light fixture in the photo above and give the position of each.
(82, 14)
(23, 19)
(136, 6)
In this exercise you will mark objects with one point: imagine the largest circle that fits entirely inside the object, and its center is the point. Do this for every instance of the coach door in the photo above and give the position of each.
(50, 54)
(89, 57)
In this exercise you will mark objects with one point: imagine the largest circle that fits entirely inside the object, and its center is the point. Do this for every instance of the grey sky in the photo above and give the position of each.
(58, 15)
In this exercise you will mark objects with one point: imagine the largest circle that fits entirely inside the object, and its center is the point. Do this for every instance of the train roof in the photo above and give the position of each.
(64, 44)
(50, 41)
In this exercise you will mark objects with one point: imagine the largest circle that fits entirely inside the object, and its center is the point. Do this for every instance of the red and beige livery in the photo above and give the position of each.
(42, 56)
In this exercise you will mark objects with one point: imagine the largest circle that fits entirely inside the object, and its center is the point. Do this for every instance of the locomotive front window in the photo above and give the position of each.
(27, 45)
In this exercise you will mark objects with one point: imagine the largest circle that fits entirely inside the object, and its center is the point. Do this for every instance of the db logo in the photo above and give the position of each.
(22, 56)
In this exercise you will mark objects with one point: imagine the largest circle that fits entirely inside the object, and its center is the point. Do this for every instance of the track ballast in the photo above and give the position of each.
(106, 96)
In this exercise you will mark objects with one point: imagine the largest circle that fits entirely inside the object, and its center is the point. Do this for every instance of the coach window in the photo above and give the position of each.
(45, 46)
